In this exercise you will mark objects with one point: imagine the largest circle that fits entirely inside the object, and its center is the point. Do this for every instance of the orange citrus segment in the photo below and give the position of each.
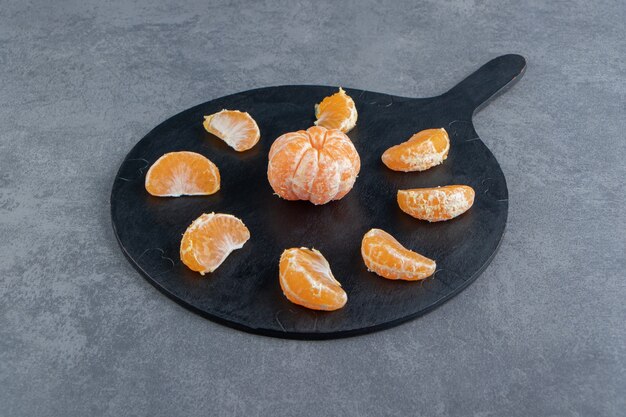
(436, 204)
(423, 150)
(336, 112)
(385, 256)
(306, 279)
(237, 129)
(317, 165)
(182, 173)
(210, 239)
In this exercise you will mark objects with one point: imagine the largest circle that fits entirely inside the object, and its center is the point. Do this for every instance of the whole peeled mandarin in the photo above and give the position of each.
(317, 164)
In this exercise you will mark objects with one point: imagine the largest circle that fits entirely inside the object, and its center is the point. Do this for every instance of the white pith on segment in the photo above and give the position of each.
(240, 135)
(183, 178)
(222, 244)
(424, 203)
(315, 270)
(407, 265)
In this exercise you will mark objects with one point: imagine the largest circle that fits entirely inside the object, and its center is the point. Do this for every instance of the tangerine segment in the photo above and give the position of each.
(436, 204)
(385, 256)
(237, 129)
(423, 150)
(182, 173)
(210, 239)
(306, 279)
(318, 165)
(336, 112)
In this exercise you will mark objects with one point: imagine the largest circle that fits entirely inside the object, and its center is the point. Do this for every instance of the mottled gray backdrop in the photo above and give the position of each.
(540, 333)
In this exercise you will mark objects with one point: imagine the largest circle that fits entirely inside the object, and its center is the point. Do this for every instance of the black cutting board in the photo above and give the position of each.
(244, 292)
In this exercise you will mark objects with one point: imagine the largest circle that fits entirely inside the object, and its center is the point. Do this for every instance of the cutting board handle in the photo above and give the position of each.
(490, 80)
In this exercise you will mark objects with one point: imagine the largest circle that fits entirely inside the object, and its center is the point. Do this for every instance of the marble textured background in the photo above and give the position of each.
(540, 333)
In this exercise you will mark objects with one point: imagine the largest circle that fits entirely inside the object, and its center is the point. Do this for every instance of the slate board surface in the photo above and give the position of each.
(244, 292)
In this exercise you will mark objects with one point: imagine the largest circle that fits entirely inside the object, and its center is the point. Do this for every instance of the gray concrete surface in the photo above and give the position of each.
(540, 333)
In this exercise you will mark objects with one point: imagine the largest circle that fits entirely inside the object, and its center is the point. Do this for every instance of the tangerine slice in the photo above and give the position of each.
(436, 204)
(318, 165)
(336, 112)
(182, 173)
(385, 256)
(237, 129)
(306, 279)
(423, 150)
(209, 240)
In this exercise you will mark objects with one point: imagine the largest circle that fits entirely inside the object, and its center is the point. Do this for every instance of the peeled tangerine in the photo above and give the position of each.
(336, 112)
(424, 150)
(306, 279)
(182, 173)
(385, 256)
(316, 164)
(237, 129)
(436, 204)
(210, 239)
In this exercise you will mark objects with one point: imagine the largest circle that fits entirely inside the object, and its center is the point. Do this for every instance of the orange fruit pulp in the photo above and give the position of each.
(306, 279)
(182, 173)
(337, 111)
(209, 240)
(385, 256)
(423, 150)
(436, 204)
(237, 129)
